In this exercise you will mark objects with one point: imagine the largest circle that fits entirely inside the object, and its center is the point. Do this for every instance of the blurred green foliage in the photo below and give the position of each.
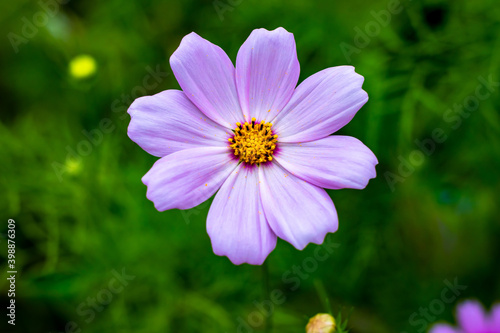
(81, 217)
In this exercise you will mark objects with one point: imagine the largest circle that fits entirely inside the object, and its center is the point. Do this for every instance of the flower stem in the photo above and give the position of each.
(323, 296)
(266, 292)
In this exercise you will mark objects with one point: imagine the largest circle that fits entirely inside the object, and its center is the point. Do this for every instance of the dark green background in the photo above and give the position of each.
(396, 248)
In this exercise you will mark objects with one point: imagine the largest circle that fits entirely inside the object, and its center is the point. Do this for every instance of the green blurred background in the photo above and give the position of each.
(81, 216)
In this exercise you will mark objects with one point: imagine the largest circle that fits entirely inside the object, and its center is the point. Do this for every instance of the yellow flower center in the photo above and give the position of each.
(254, 142)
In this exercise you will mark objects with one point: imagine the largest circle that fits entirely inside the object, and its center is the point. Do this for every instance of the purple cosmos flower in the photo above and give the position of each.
(472, 318)
(252, 135)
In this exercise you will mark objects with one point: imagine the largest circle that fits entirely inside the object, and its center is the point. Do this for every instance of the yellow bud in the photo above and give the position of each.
(321, 323)
(82, 66)
(73, 166)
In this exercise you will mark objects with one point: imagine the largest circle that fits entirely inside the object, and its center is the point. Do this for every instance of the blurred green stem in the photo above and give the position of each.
(323, 296)
(266, 293)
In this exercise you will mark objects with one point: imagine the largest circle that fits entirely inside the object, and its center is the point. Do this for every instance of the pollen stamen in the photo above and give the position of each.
(253, 142)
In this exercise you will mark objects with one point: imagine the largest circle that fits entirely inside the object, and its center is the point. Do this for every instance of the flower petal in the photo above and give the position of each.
(471, 316)
(206, 74)
(297, 211)
(495, 316)
(333, 162)
(188, 177)
(443, 328)
(321, 105)
(236, 222)
(168, 122)
(267, 71)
